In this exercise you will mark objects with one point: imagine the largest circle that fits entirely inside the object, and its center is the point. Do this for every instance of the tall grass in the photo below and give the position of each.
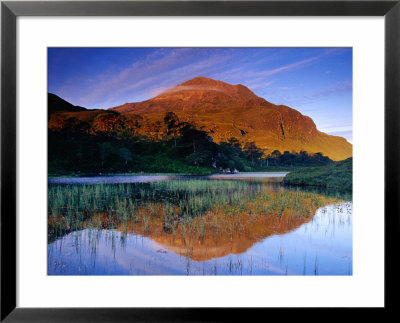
(188, 207)
(338, 176)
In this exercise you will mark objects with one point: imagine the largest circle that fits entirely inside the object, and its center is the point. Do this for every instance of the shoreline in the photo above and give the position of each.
(146, 178)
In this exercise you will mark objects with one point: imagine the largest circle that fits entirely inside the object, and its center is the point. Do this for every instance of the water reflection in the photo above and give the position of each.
(197, 226)
(323, 246)
(217, 233)
(121, 179)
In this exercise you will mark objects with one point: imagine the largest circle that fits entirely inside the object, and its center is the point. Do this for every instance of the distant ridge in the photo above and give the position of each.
(56, 104)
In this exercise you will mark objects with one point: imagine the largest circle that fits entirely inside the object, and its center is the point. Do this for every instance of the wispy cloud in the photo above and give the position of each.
(146, 76)
(315, 81)
(164, 68)
(301, 97)
(296, 65)
(338, 87)
(289, 67)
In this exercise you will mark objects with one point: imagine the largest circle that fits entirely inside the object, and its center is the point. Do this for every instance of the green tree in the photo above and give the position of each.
(194, 137)
(197, 158)
(125, 154)
(253, 153)
(172, 123)
(105, 150)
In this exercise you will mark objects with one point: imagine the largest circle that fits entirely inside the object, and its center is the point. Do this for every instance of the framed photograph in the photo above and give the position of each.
(183, 160)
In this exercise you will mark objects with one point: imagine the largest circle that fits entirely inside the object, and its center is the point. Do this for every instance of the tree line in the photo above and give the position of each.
(109, 145)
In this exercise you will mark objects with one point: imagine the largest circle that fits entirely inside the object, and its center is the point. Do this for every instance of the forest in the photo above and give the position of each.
(73, 150)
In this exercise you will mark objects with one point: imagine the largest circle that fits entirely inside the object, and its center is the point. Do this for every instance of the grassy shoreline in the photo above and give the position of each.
(192, 209)
(338, 176)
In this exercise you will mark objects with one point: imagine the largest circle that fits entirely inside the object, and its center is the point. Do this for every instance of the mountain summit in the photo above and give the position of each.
(200, 93)
(226, 111)
(205, 84)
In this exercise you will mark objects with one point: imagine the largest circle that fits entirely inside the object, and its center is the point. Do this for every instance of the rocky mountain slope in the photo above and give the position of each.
(227, 111)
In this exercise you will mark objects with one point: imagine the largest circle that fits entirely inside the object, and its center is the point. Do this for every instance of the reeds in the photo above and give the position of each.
(194, 207)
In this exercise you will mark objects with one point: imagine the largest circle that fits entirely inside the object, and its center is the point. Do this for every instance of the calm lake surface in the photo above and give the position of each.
(120, 179)
(180, 225)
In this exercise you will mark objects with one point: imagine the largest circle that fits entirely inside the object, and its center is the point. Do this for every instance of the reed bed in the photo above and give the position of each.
(184, 208)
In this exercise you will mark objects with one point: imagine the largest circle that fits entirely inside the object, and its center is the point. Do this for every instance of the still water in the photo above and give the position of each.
(196, 226)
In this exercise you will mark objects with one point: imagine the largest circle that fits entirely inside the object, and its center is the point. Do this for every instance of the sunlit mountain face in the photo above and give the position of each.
(221, 109)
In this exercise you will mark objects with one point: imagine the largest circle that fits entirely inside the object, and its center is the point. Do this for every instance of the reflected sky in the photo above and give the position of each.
(322, 246)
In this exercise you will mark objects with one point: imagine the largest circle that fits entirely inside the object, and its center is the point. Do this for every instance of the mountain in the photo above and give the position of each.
(56, 104)
(226, 111)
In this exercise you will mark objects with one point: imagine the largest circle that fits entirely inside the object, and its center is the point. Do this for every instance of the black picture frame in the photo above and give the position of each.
(10, 10)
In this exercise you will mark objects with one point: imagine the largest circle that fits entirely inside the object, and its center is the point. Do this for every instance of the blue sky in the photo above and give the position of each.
(315, 81)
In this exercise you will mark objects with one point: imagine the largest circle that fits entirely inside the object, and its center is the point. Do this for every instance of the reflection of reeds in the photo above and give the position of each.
(316, 266)
(184, 211)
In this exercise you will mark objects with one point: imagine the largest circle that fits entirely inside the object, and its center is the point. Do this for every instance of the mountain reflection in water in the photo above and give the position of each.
(223, 234)
(198, 228)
